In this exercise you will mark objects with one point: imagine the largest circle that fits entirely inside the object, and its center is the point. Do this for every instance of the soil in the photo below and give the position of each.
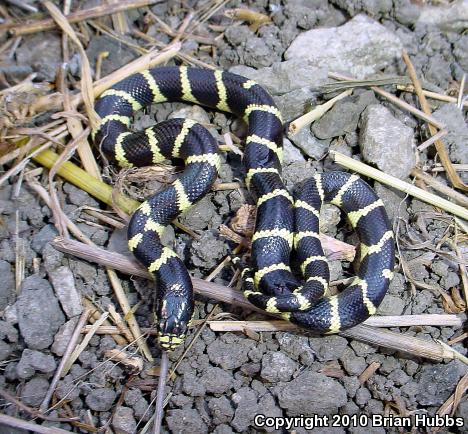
(227, 378)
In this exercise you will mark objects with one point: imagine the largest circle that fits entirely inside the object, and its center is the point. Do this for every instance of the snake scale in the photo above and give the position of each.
(283, 222)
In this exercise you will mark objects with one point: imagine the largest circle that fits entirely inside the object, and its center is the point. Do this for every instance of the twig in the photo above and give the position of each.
(431, 140)
(369, 372)
(410, 189)
(75, 17)
(316, 113)
(231, 296)
(438, 186)
(461, 92)
(440, 147)
(22, 424)
(70, 346)
(23, 5)
(159, 407)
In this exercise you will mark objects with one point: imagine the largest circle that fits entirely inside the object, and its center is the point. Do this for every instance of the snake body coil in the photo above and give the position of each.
(281, 221)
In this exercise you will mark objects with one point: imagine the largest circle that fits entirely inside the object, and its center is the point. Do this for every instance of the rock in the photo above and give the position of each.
(32, 361)
(185, 421)
(5, 350)
(52, 258)
(101, 399)
(312, 392)
(276, 366)
(291, 153)
(63, 336)
(119, 54)
(201, 215)
(343, 117)
(391, 305)
(285, 77)
(192, 386)
(39, 314)
(383, 135)
(216, 380)
(34, 391)
(207, 251)
(295, 103)
(360, 47)
(64, 285)
(43, 237)
(229, 355)
(245, 400)
(221, 410)
(437, 382)
(7, 285)
(394, 201)
(123, 421)
(406, 12)
(328, 347)
(457, 136)
(42, 52)
(452, 17)
(354, 365)
(309, 144)
(296, 346)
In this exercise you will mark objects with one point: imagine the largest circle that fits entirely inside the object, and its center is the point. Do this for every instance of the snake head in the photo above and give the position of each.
(174, 317)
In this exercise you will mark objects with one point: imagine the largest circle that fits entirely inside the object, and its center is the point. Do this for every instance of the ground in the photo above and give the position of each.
(226, 378)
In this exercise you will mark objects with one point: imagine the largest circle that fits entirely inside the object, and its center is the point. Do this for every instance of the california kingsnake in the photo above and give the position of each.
(282, 221)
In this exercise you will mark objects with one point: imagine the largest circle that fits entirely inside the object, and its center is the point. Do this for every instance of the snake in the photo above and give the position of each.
(285, 223)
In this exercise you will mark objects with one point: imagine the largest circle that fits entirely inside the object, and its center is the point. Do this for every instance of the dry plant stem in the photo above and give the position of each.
(316, 113)
(86, 78)
(431, 140)
(440, 147)
(231, 296)
(164, 369)
(120, 324)
(70, 347)
(429, 94)
(461, 92)
(29, 426)
(397, 101)
(449, 406)
(149, 60)
(410, 189)
(84, 343)
(128, 313)
(441, 188)
(75, 17)
(369, 372)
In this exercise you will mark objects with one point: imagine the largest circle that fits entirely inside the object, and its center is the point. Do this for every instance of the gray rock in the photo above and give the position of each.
(5, 350)
(437, 382)
(406, 12)
(285, 77)
(43, 237)
(39, 314)
(185, 421)
(290, 152)
(328, 347)
(354, 365)
(64, 285)
(202, 215)
(42, 52)
(394, 201)
(101, 399)
(276, 366)
(208, 250)
(7, 285)
(451, 17)
(309, 144)
(295, 103)
(223, 429)
(245, 400)
(221, 410)
(457, 137)
(32, 361)
(391, 305)
(383, 135)
(343, 117)
(34, 391)
(360, 47)
(216, 380)
(52, 258)
(62, 337)
(312, 392)
(123, 421)
(192, 386)
(296, 346)
(229, 355)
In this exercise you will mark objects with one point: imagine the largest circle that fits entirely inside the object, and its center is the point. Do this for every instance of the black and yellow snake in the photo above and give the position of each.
(283, 222)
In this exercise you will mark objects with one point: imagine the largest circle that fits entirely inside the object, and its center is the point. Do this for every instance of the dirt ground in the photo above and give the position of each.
(304, 52)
